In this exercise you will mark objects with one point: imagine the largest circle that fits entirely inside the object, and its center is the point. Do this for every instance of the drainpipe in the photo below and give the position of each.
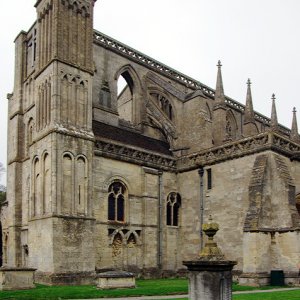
(201, 173)
(160, 221)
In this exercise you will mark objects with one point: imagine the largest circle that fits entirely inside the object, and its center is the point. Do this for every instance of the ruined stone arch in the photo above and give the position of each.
(133, 233)
(116, 232)
(129, 102)
(157, 119)
(154, 123)
(164, 102)
(231, 129)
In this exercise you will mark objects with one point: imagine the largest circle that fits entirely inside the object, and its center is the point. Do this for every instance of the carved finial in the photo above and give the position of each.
(248, 82)
(274, 121)
(211, 251)
(219, 94)
(273, 97)
(294, 130)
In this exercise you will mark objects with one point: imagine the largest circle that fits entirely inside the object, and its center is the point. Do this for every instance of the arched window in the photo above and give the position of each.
(173, 205)
(116, 202)
(47, 184)
(67, 184)
(36, 188)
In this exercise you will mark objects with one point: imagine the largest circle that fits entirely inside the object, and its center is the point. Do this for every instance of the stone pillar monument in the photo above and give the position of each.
(210, 276)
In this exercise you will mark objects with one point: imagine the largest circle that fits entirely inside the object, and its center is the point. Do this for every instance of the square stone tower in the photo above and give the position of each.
(49, 168)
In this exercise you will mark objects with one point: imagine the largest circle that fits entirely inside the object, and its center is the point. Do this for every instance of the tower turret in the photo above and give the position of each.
(53, 159)
(65, 32)
(219, 110)
(249, 127)
(274, 120)
(294, 129)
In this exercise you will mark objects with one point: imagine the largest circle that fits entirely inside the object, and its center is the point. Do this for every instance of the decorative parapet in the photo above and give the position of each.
(131, 154)
(251, 145)
(247, 146)
(152, 64)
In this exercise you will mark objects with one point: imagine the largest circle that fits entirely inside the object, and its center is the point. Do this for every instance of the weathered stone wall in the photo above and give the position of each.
(59, 173)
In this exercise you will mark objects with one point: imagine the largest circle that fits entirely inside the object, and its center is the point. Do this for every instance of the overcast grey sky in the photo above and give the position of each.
(259, 39)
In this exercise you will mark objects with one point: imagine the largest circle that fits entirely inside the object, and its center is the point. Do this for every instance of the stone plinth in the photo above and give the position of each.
(255, 279)
(115, 279)
(210, 276)
(210, 280)
(16, 278)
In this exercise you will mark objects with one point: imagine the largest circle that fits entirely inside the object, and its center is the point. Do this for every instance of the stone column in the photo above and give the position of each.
(210, 276)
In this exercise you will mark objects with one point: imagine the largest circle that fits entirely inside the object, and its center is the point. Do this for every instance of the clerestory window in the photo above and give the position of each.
(116, 202)
(173, 205)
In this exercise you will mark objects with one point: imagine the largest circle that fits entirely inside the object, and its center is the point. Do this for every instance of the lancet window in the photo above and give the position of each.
(116, 202)
(173, 206)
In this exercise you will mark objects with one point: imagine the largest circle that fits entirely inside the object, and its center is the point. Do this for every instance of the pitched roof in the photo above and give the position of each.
(121, 135)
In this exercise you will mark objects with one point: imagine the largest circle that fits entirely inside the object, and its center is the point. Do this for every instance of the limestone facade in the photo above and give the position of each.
(101, 180)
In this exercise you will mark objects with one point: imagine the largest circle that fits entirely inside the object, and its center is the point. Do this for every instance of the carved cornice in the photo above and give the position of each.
(136, 156)
(261, 142)
(247, 146)
(152, 64)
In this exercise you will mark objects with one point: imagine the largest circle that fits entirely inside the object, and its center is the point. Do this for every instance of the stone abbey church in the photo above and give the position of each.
(101, 180)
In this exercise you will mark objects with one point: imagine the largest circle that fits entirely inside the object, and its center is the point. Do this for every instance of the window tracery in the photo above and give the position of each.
(164, 104)
(173, 205)
(116, 202)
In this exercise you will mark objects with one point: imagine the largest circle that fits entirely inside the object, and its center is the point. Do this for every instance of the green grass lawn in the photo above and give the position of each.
(144, 288)
(286, 295)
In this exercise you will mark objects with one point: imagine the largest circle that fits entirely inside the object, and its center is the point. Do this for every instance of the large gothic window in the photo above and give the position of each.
(173, 205)
(116, 202)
